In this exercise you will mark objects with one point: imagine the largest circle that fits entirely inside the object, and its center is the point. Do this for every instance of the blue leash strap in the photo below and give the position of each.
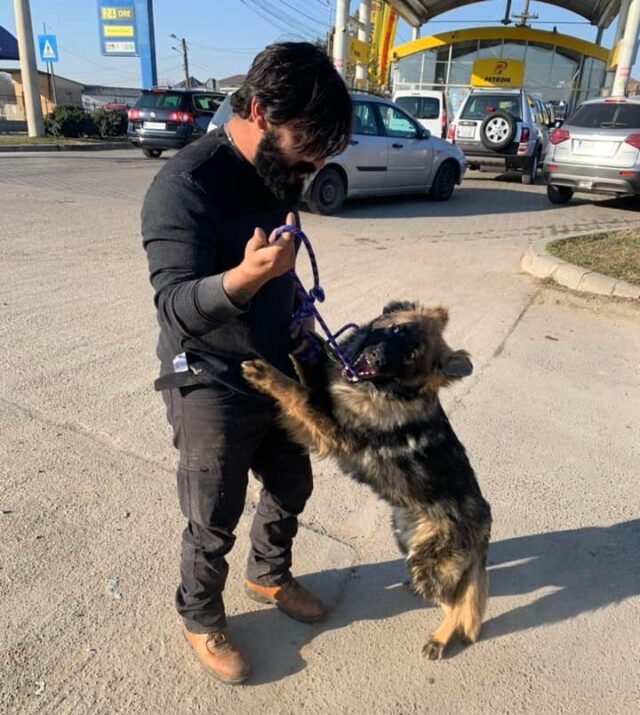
(307, 304)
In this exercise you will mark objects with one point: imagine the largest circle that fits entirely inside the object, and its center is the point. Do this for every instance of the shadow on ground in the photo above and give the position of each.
(588, 569)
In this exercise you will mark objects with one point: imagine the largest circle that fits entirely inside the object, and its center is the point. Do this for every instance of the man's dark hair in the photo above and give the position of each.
(296, 82)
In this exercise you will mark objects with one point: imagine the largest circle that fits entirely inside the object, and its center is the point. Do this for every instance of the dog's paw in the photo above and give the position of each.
(433, 649)
(258, 373)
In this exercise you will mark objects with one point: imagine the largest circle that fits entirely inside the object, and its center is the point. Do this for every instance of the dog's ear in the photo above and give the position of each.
(399, 306)
(456, 364)
(441, 315)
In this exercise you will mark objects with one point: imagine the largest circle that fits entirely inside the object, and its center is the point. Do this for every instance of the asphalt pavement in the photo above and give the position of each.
(89, 521)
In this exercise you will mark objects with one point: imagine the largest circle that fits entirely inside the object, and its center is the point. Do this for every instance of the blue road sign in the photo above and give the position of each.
(118, 29)
(48, 48)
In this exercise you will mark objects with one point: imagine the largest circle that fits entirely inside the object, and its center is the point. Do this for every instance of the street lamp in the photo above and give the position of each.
(185, 58)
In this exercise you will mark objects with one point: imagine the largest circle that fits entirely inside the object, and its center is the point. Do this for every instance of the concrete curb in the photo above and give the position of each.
(541, 264)
(8, 148)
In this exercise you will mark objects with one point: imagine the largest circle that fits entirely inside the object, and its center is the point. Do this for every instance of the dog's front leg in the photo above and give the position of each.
(306, 425)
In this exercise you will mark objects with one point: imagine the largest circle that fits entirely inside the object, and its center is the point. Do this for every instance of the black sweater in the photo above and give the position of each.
(197, 217)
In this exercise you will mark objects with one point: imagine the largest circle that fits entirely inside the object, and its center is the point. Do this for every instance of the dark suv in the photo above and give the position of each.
(507, 127)
(170, 118)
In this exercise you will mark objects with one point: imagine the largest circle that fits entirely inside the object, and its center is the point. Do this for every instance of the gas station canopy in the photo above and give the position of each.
(418, 12)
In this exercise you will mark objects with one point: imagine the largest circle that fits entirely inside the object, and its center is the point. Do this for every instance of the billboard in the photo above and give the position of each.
(118, 32)
(497, 72)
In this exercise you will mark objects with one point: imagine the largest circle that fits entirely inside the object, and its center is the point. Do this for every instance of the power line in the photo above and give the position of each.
(270, 20)
(293, 7)
(289, 21)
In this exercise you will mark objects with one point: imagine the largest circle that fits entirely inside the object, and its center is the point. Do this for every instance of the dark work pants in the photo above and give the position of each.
(221, 435)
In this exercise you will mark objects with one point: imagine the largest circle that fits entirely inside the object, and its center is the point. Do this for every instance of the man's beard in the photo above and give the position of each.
(282, 180)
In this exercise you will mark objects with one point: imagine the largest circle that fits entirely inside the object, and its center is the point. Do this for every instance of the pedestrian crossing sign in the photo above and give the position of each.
(48, 48)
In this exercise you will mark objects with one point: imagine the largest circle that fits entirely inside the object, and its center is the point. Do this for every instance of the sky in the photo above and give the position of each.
(223, 36)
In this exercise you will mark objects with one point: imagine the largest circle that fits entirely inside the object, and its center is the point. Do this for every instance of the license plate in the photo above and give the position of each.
(585, 184)
(154, 125)
(592, 148)
(466, 132)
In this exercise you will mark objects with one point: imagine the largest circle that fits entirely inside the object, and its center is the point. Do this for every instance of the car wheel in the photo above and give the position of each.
(531, 172)
(498, 130)
(327, 192)
(444, 183)
(559, 194)
(152, 153)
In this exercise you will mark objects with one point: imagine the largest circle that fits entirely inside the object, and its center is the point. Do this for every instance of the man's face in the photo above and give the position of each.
(280, 166)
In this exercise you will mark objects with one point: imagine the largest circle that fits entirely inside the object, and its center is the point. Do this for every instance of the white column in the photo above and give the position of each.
(28, 68)
(341, 37)
(626, 50)
(364, 35)
(415, 33)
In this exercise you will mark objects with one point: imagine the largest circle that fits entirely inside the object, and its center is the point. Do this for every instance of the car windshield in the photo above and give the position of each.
(607, 115)
(420, 107)
(161, 100)
(479, 105)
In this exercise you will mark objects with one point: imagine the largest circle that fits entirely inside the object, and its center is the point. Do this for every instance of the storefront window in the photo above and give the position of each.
(489, 49)
(513, 50)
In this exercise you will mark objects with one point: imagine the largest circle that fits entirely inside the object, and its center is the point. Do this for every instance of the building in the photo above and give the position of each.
(56, 90)
(554, 66)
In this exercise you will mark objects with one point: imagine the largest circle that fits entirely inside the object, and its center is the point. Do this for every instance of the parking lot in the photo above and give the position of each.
(89, 522)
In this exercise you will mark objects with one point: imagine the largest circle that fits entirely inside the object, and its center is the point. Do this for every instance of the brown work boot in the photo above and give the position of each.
(292, 598)
(219, 656)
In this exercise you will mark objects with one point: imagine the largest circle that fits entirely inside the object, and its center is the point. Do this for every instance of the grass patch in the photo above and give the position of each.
(19, 139)
(615, 253)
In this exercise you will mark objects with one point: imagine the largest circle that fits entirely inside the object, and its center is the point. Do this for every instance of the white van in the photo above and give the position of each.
(428, 106)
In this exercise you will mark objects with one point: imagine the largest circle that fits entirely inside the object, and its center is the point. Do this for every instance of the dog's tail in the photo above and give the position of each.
(471, 601)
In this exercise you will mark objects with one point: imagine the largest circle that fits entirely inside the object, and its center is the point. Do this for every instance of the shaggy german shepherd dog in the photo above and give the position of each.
(389, 431)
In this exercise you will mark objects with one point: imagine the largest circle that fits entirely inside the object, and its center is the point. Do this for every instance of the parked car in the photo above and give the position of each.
(508, 127)
(389, 153)
(222, 114)
(170, 118)
(597, 150)
(429, 107)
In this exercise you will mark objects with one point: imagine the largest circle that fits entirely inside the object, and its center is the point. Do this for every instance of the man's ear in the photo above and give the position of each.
(456, 363)
(256, 114)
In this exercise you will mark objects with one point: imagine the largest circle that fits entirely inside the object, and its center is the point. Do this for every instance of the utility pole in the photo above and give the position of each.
(185, 59)
(364, 35)
(341, 37)
(626, 50)
(28, 68)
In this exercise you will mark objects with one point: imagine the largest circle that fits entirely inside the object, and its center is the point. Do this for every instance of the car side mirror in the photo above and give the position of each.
(557, 124)
(426, 134)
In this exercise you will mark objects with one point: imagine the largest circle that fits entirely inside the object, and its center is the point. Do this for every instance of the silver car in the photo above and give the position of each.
(597, 150)
(507, 127)
(389, 153)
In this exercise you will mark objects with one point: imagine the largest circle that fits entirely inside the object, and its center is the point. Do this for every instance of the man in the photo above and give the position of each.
(224, 294)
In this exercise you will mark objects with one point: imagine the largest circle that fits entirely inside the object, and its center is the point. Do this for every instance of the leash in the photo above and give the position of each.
(307, 305)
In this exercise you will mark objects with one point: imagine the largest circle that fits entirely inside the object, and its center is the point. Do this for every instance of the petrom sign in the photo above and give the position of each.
(497, 72)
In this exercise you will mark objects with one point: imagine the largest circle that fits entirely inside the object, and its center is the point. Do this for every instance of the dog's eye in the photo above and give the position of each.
(396, 329)
(410, 355)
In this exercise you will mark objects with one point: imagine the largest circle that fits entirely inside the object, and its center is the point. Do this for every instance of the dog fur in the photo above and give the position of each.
(390, 432)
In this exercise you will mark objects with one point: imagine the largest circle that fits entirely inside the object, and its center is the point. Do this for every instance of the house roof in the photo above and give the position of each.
(418, 12)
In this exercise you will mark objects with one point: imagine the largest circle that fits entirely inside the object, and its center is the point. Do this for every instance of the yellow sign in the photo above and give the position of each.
(118, 30)
(498, 72)
(116, 13)
(358, 51)
(384, 22)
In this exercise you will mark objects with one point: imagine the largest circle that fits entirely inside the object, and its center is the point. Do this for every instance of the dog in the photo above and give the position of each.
(389, 431)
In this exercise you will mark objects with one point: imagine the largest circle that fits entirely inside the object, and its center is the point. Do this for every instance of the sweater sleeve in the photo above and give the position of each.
(180, 237)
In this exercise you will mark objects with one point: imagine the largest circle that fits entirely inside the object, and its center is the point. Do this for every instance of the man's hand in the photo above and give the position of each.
(264, 259)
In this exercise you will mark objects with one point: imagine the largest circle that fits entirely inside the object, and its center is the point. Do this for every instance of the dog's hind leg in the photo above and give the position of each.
(463, 615)
(472, 603)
